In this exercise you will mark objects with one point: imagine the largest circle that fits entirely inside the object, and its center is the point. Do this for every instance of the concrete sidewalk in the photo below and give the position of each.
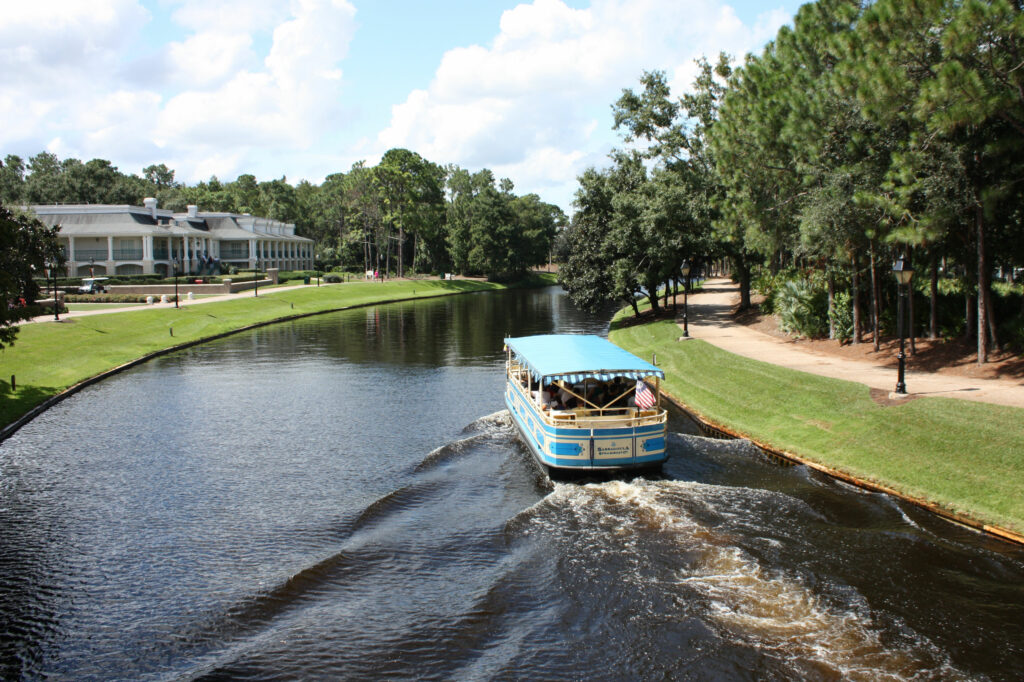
(710, 319)
(263, 291)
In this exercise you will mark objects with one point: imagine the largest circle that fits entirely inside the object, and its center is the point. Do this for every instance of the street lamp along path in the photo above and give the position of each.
(685, 271)
(904, 273)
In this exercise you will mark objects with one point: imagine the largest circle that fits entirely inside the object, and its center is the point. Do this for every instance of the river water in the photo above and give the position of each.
(344, 497)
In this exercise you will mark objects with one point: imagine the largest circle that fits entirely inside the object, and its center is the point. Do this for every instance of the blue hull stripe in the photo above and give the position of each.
(650, 439)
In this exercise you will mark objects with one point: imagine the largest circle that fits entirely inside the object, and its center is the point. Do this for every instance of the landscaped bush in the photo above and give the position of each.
(768, 284)
(112, 298)
(802, 309)
(35, 309)
(841, 316)
(293, 275)
(332, 278)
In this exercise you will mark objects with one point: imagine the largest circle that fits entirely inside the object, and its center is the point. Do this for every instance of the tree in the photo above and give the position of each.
(159, 175)
(43, 183)
(26, 248)
(12, 180)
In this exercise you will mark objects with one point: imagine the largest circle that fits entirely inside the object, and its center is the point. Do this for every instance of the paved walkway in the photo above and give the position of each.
(710, 319)
(250, 293)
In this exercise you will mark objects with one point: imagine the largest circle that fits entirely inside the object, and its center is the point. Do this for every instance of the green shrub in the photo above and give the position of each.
(332, 278)
(768, 285)
(112, 298)
(802, 309)
(841, 315)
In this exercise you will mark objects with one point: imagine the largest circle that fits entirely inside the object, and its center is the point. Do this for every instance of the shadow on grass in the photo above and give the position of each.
(645, 317)
(14, 405)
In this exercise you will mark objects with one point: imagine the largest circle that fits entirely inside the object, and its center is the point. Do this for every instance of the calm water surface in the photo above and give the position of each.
(343, 497)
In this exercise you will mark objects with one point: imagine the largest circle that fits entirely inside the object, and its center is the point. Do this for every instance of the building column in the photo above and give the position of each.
(71, 253)
(147, 254)
(111, 267)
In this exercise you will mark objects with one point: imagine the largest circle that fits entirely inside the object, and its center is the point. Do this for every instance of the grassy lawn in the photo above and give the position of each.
(48, 357)
(964, 456)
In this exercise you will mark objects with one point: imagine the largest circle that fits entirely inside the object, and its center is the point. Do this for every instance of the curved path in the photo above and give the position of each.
(710, 319)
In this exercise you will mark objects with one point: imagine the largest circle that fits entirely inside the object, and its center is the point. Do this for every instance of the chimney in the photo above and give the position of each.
(193, 211)
(150, 203)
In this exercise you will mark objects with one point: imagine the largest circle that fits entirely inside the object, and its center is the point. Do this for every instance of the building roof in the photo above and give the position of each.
(575, 357)
(113, 220)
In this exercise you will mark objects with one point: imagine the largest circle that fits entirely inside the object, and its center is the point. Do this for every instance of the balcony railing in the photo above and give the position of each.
(86, 254)
(127, 254)
(159, 254)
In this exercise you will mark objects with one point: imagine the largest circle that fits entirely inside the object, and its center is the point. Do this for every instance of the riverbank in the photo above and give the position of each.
(50, 358)
(962, 457)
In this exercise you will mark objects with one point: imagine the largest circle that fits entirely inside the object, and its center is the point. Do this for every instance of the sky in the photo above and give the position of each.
(304, 88)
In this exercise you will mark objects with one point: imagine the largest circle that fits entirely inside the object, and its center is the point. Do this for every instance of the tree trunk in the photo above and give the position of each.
(831, 308)
(910, 319)
(984, 305)
(969, 327)
(933, 300)
(743, 275)
(874, 297)
(401, 249)
(858, 327)
(636, 308)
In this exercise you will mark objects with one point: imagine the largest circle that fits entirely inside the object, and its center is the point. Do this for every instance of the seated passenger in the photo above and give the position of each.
(597, 393)
(567, 399)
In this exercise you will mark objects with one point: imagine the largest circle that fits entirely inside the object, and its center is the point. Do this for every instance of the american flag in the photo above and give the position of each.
(644, 397)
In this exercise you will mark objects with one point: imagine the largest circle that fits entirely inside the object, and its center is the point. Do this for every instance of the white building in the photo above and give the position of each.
(131, 240)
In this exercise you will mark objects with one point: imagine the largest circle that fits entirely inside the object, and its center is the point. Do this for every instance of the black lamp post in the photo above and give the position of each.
(685, 270)
(901, 268)
(174, 264)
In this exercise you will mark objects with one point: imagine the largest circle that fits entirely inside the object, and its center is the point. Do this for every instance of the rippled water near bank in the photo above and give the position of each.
(344, 497)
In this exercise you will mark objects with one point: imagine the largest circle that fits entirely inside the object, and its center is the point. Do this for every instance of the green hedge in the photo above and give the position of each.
(112, 298)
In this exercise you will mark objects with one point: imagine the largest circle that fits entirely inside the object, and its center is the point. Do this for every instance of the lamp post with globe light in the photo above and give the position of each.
(904, 273)
(685, 271)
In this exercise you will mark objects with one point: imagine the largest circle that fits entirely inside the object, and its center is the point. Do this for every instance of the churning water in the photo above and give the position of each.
(344, 497)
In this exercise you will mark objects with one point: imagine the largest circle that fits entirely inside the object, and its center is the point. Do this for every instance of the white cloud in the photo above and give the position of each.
(46, 40)
(207, 59)
(230, 16)
(287, 105)
(523, 105)
(79, 77)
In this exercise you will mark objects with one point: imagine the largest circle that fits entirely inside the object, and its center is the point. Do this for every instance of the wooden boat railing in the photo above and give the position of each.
(605, 418)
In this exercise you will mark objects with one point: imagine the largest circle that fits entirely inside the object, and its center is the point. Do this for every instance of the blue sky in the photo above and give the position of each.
(306, 88)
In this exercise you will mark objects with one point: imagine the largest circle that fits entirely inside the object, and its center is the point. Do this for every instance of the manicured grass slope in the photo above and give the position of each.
(964, 456)
(49, 357)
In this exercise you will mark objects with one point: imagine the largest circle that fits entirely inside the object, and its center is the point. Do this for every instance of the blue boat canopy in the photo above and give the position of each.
(575, 357)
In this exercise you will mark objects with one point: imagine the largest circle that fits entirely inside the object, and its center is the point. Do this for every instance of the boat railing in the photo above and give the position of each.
(585, 417)
(604, 419)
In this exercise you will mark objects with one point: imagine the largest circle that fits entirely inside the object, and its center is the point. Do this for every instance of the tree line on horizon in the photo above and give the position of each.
(404, 215)
(863, 133)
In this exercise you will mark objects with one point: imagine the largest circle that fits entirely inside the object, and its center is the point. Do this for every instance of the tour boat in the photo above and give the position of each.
(582, 403)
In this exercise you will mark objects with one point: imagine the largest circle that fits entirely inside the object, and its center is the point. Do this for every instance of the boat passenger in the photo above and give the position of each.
(545, 398)
(567, 399)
